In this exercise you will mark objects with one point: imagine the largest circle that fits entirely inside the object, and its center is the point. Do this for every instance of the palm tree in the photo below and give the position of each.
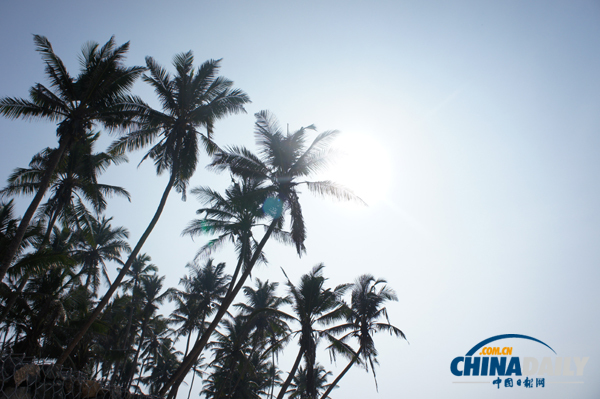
(202, 292)
(97, 242)
(313, 304)
(300, 384)
(193, 99)
(75, 177)
(140, 268)
(151, 298)
(25, 263)
(366, 310)
(8, 228)
(265, 322)
(239, 370)
(282, 165)
(232, 217)
(161, 358)
(45, 297)
(97, 95)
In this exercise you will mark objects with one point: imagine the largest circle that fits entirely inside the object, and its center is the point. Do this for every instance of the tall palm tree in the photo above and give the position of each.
(151, 298)
(161, 357)
(232, 217)
(202, 292)
(265, 323)
(28, 262)
(239, 370)
(97, 95)
(282, 166)
(97, 242)
(75, 177)
(193, 99)
(140, 268)
(45, 296)
(313, 304)
(300, 384)
(368, 296)
(264, 319)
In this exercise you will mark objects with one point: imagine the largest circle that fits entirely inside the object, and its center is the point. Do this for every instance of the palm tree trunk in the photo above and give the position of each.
(192, 384)
(136, 357)
(310, 372)
(121, 275)
(272, 375)
(339, 377)
(51, 224)
(235, 274)
(288, 380)
(187, 345)
(15, 243)
(128, 341)
(187, 362)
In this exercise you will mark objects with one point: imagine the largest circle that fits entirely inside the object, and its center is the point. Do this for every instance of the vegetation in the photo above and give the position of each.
(56, 297)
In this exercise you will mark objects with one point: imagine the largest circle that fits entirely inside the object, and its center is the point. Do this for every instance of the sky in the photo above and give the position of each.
(471, 128)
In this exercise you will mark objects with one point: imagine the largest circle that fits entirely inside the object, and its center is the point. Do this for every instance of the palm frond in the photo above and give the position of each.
(327, 188)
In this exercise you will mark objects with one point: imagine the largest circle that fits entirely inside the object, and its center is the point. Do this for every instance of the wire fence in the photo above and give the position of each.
(29, 378)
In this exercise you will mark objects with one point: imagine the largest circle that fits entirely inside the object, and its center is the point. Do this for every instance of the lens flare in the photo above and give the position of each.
(273, 207)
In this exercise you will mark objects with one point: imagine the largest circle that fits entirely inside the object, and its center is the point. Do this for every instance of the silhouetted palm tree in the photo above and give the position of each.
(97, 242)
(161, 357)
(75, 178)
(265, 322)
(238, 369)
(312, 304)
(202, 292)
(140, 268)
(193, 99)
(282, 166)
(97, 95)
(368, 296)
(300, 384)
(232, 217)
(151, 297)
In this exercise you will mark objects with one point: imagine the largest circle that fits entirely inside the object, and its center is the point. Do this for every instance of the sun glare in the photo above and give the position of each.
(363, 165)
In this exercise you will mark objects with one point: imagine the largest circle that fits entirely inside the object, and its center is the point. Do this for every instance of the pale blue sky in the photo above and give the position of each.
(488, 113)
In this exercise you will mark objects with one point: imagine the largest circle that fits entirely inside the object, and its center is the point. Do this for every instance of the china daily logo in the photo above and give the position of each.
(491, 359)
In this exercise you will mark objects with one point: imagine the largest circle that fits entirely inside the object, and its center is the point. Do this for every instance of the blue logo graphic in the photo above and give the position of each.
(485, 360)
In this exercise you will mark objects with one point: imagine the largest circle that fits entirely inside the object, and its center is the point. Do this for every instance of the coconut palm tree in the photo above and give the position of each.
(300, 386)
(265, 323)
(192, 100)
(97, 242)
(97, 95)
(8, 228)
(313, 305)
(45, 296)
(151, 297)
(161, 357)
(75, 178)
(26, 263)
(239, 370)
(202, 292)
(232, 217)
(282, 166)
(140, 268)
(363, 320)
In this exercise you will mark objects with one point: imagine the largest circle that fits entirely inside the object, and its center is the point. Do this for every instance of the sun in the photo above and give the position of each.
(362, 164)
